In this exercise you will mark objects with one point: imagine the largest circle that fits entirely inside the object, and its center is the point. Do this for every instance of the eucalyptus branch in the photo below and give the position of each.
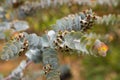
(56, 38)
(17, 73)
(110, 19)
(68, 34)
(111, 22)
(51, 66)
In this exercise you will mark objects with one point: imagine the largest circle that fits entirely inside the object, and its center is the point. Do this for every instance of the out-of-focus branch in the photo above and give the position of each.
(18, 72)
(27, 8)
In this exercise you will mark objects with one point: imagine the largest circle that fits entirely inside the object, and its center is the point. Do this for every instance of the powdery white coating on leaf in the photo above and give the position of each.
(34, 55)
(45, 41)
(5, 26)
(33, 40)
(20, 25)
(51, 34)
